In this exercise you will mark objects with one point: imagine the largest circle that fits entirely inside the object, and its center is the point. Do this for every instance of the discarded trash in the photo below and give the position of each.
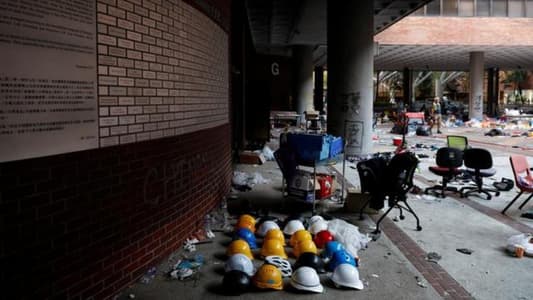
(375, 275)
(268, 153)
(420, 283)
(528, 214)
(189, 245)
(131, 296)
(465, 250)
(245, 182)
(181, 274)
(416, 190)
(349, 235)
(433, 257)
(149, 275)
(430, 198)
(523, 240)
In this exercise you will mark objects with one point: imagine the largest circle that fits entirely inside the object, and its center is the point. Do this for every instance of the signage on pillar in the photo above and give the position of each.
(274, 68)
(48, 83)
(354, 137)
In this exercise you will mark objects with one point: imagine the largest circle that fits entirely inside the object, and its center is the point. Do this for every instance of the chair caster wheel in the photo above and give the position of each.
(489, 197)
(497, 194)
(418, 228)
(402, 217)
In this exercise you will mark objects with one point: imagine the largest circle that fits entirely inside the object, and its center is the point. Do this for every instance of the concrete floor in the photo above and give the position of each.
(449, 223)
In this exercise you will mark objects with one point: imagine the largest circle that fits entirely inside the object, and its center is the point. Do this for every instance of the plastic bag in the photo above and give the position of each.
(348, 235)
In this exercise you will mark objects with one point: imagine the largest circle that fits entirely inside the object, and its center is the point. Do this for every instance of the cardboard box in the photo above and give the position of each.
(355, 200)
(252, 158)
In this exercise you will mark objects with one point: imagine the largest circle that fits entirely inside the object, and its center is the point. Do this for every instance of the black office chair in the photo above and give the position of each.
(448, 162)
(371, 172)
(479, 165)
(398, 180)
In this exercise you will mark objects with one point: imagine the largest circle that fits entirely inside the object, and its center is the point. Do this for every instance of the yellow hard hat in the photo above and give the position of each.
(273, 247)
(275, 234)
(268, 277)
(246, 221)
(300, 235)
(304, 246)
(239, 246)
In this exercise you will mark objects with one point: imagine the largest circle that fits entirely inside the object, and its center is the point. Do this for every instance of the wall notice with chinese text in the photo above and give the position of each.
(48, 83)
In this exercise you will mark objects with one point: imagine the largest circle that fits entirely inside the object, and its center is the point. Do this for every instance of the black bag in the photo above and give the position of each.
(505, 185)
(422, 131)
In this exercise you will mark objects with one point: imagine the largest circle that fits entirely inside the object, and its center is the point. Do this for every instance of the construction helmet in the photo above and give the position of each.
(315, 218)
(239, 262)
(246, 221)
(239, 246)
(347, 275)
(309, 259)
(332, 247)
(304, 246)
(322, 238)
(306, 279)
(268, 277)
(246, 235)
(318, 226)
(300, 235)
(293, 226)
(273, 247)
(340, 257)
(265, 227)
(281, 263)
(275, 234)
(236, 282)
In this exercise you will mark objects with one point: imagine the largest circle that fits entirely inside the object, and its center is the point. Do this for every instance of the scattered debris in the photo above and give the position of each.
(245, 182)
(186, 268)
(465, 250)
(420, 283)
(433, 257)
(375, 275)
(149, 275)
(528, 214)
(417, 190)
(131, 296)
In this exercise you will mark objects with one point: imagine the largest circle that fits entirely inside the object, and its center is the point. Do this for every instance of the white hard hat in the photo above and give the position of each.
(347, 275)
(240, 262)
(306, 279)
(314, 219)
(318, 226)
(293, 226)
(265, 227)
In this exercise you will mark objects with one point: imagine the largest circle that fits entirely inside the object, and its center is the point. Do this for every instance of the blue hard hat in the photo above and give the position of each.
(332, 247)
(247, 235)
(341, 257)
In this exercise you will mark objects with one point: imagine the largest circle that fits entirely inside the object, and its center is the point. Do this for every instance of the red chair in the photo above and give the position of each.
(522, 177)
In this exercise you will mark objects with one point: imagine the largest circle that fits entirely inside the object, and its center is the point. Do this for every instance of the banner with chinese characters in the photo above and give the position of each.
(48, 83)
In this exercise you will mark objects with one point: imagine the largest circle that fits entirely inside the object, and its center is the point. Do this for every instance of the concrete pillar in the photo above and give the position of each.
(490, 92)
(319, 89)
(350, 72)
(408, 95)
(475, 107)
(303, 78)
(438, 88)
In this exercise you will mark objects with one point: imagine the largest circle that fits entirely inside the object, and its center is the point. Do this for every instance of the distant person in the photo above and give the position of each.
(436, 114)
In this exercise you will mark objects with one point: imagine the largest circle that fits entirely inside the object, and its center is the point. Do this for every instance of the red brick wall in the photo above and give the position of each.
(86, 224)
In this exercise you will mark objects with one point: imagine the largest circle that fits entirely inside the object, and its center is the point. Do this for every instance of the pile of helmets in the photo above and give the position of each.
(305, 243)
